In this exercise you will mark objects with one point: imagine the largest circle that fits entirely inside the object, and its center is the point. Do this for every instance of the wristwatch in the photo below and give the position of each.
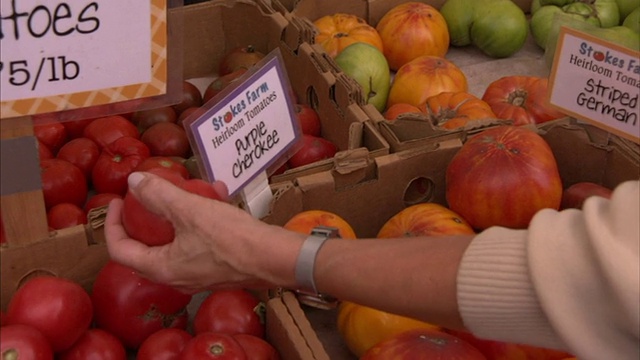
(307, 292)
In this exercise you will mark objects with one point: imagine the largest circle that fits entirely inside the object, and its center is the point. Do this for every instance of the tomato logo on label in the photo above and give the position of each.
(598, 55)
(228, 117)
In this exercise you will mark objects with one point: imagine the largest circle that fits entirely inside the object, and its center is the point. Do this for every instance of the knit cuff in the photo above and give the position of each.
(496, 298)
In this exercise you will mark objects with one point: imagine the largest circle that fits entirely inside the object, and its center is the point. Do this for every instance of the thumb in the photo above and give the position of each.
(157, 194)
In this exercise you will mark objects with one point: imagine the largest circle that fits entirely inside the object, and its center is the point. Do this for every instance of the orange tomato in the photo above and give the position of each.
(410, 30)
(400, 108)
(361, 327)
(423, 77)
(452, 110)
(424, 219)
(303, 222)
(337, 31)
(522, 99)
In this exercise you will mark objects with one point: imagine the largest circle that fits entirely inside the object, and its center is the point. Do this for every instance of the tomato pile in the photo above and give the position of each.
(125, 315)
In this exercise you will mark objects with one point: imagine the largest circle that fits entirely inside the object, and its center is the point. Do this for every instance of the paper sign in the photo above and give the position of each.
(597, 81)
(62, 55)
(248, 129)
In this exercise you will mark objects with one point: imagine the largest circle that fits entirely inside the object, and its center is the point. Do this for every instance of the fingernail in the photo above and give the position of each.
(134, 179)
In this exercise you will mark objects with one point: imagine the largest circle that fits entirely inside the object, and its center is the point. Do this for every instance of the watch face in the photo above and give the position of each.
(328, 231)
(318, 301)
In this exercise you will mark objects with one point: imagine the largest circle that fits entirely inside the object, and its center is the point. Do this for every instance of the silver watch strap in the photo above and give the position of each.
(306, 261)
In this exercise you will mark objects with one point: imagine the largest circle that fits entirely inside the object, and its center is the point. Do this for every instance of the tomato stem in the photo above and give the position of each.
(10, 354)
(518, 97)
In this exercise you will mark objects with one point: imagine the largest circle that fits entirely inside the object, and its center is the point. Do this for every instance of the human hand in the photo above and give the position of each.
(216, 244)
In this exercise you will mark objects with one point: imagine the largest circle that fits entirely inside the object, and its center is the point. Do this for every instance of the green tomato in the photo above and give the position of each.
(484, 23)
(632, 21)
(368, 66)
(626, 7)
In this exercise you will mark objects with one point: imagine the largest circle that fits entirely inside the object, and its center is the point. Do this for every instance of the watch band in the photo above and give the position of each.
(305, 263)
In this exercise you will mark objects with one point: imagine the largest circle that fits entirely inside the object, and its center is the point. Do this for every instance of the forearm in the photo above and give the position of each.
(416, 278)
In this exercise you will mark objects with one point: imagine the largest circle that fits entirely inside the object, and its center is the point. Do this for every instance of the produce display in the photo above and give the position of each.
(502, 172)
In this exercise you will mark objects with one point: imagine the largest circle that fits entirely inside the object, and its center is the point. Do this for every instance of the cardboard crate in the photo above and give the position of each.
(392, 182)
(479, 69)
(214, 28)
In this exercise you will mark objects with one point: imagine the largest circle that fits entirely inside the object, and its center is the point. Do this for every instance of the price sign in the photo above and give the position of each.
(248, 128)
(597, 81)
(65, 55)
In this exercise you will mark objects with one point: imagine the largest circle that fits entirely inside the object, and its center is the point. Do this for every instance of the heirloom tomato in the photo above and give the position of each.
(163, 162)
(81, 152)
(242, 57)
(51, 133)
(105, 130)
(75, 128)
(452, 110)
(423, 77)
(191, 97)
(522, 99)
(308, 119)
(95, 344)
(24, 342)
(59, 308)
(213, 346)
(144, 119)
(339, 30)
(361, 327)
(43, 151)
(257, 348)
(424, 219)
(62, 182)
(410, 30)
(65, 215)
(423, 344)
(312, 149)
(398, 109)
(230, 311)
(503, 176)
(116, 161)
(164, 344)
(304, 222)
(151, 228)
(132, 307)
(575, 195)
(166, 139)
(219, 84)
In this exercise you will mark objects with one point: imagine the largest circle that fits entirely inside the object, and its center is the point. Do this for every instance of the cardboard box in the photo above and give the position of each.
(379, 188)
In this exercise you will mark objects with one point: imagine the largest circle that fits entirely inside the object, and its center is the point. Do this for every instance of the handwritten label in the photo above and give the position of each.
(63, 55)
(249, 129)
(598, 82)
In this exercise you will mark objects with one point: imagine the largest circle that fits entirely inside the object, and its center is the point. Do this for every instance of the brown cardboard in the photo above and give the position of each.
(392, 182)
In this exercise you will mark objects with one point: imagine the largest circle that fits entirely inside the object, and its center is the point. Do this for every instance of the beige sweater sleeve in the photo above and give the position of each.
(571, 281)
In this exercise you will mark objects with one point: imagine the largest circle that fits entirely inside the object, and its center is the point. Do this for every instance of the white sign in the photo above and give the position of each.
(247, 130)
(63, 48)
(597, 81)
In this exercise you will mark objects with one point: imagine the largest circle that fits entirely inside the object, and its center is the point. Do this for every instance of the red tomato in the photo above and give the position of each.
(232, 311)
(59, 308)
(75, 128)
(167, 139)
(117, 160)
(62, 182)
(163, 162)
(313, 149)
(575, 195)
(217, 85)
(185, 114)
(99, 200)
(24, 342)
(3, 315)
(65, 215)
(132, 307)
(95, 344)
(419, 344)
(308, 119)
(81, 152)
(153, 229)
(44, 152)
(51, 133)
(191, 97)
(257, 348)
(214, 346)
(144, 119)
(106, 130)
(165, 344)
